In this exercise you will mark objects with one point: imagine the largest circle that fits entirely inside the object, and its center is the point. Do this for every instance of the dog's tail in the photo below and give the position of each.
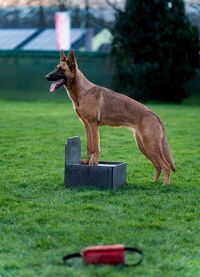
(167, 154)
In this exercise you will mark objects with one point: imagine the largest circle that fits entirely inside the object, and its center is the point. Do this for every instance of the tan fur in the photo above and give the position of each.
(97, 106)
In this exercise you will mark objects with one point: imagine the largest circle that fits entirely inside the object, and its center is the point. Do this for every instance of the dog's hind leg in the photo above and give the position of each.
(151, 134)
(142, 149)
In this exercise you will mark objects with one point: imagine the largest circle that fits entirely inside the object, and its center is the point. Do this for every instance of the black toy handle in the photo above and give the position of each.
(135, 250)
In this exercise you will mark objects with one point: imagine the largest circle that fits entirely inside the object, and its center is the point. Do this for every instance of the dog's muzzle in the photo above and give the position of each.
(57, 79)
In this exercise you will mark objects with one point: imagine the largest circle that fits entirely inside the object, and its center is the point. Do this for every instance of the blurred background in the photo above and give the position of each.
(146, 49)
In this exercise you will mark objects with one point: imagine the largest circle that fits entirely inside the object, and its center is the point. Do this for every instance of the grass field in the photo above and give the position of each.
(40, 220)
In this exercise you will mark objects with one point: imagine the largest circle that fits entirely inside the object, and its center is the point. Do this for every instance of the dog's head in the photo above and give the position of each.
(65, 71)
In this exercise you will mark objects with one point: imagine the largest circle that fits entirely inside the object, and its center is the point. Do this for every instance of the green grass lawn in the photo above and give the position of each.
(41, 221)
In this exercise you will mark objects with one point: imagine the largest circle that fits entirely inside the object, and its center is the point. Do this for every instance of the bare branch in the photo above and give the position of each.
(113, 6)
(195, 7)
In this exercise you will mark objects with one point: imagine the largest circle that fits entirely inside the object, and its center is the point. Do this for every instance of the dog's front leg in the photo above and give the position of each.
(89, 144)
(95, 142)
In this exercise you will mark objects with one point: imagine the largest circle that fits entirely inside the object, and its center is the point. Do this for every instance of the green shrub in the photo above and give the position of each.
(156, 49)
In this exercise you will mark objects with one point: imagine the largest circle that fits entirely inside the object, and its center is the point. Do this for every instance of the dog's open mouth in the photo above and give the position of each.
(57, 84)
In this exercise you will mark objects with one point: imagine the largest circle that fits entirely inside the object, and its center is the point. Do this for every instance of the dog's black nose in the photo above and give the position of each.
(47, 77)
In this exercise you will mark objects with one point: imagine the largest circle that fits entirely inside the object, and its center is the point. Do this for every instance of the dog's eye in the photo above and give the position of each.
(60, 70)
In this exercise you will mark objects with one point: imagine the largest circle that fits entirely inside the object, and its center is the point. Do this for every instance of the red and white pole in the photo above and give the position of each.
(62, 26)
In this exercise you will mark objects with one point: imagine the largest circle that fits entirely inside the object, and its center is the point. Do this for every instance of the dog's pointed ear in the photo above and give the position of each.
(72, 60)
(63, 58)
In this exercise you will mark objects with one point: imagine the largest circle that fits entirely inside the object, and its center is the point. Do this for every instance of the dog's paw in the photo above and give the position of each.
(84, 161)
(93, 162)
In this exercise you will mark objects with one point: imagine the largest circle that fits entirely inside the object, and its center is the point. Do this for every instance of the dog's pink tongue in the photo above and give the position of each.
(52, 87)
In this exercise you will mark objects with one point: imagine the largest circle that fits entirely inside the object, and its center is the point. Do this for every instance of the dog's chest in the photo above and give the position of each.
(88, 108)
(82, 115)
(86, 113)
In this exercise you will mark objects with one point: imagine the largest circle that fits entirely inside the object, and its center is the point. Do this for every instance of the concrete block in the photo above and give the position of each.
(104, 175)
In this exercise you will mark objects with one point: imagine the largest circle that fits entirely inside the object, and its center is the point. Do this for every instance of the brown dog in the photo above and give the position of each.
(97, 106)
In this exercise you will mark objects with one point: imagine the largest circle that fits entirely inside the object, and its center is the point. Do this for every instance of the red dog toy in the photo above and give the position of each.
(106, 255)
